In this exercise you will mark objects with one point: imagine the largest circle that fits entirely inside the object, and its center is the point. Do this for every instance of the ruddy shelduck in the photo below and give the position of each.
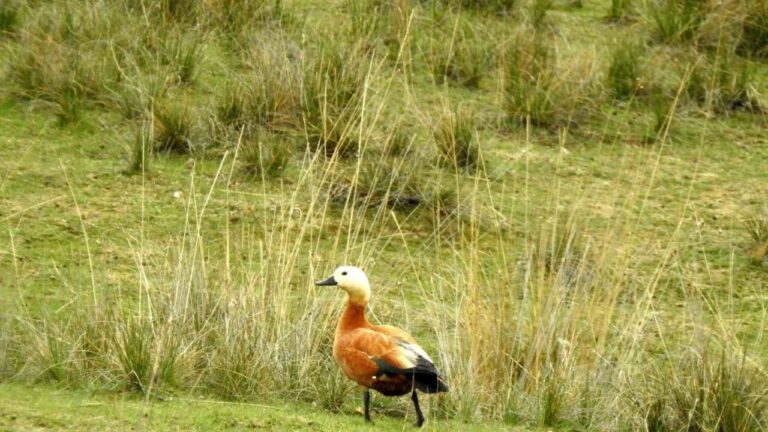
(379, 357)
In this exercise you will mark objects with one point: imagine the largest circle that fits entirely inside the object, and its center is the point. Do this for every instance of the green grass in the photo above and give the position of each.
(550, 217)
(32, 408)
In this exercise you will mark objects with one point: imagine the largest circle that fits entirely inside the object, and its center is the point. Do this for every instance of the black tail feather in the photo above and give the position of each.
(429, 383)
(425, 376)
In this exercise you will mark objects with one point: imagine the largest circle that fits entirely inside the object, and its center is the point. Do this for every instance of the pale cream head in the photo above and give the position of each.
(353, 281)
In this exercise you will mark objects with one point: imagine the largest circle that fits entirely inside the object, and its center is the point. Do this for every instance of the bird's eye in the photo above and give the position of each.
(343, 273)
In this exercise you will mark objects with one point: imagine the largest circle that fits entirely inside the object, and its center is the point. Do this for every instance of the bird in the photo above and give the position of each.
(379, 357)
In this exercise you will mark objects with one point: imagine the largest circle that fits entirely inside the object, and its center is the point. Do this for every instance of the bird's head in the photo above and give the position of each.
(353, 281)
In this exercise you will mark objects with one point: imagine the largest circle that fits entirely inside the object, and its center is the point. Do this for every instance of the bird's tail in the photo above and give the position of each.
(425, 376)
(429, 382)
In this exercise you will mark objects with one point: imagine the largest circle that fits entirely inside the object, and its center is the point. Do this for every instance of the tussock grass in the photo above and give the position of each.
(537, 12)
(195, 328)
(754, 31)
(368, 19)
(173, 125)
(267, 95)
(757, 228)
(499, 7)
(406, 184)
(625, 69)
(540, 347)
(9, 18)
(183, 54)
(722, 82)
(135, 96)
(331, 98)
(677, 21)
(528, 82)
(236, 18)
(265, 155)
(663, 107)
(99, 54)
(703, 391)
(619, 10)
(455, 135)
(465, 60)
(399, 140)
(141, 150)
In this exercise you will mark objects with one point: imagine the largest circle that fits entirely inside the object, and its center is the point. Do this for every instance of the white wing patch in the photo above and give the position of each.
(415, 351)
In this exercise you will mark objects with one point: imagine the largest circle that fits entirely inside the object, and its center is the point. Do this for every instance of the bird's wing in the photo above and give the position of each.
(391, 353)
(405, 340)
(380, 347)
(369, 353)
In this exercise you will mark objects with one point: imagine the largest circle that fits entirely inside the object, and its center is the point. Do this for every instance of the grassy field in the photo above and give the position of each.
(37, 408)
(564, 201)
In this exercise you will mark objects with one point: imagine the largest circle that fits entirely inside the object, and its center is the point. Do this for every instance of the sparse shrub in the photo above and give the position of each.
(460, 56)
(172, 126)
(534, 356)
(455, 135)
(246, 106)
(265, 155)
(677, 20)
(624, 70)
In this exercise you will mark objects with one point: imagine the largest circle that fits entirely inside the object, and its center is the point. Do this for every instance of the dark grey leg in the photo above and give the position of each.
(367, 404)
(419, 415)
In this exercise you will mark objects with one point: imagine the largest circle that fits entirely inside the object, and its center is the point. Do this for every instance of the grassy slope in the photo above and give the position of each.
(699, 187)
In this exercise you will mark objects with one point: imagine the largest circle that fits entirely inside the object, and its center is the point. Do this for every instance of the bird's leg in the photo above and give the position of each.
(419, 415)
(367, 404)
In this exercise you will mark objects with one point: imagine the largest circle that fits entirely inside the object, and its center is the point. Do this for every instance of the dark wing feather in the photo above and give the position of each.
(425, 376)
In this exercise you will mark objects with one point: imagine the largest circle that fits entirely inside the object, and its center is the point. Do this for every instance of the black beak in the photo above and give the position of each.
(328, 282)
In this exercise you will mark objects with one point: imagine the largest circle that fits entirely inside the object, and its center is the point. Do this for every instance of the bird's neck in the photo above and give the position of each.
(352, 318)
